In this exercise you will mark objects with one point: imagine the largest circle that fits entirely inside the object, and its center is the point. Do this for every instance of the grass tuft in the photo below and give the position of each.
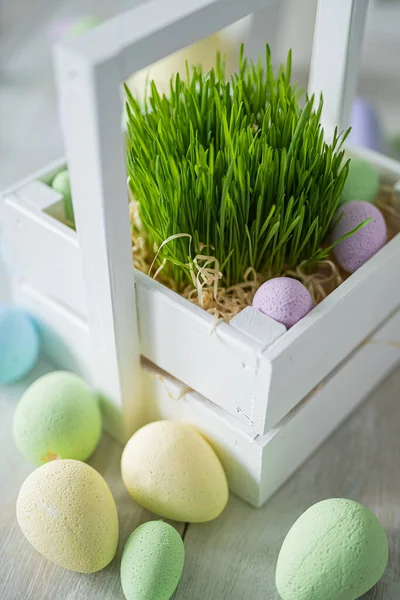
(241, 166)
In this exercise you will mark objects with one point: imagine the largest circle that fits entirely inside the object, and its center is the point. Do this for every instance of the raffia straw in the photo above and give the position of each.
(320, 279)
(226, 302)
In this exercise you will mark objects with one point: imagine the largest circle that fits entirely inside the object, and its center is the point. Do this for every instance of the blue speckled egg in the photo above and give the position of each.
(19, 344)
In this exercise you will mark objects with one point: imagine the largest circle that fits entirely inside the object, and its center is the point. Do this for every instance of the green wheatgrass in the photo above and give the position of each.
(240, 166)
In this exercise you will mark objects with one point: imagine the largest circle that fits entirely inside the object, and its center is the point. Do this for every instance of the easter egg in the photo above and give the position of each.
(283, 299)
(362, 182)
(171, 470)
(58, 416)
(336, 549)
(19, 344)
(355, 250)
(152, 562)
(61, 184)
(66, 511)
(366, 128)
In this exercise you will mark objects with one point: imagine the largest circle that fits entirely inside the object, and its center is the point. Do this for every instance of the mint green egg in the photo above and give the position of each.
(336, 550)
(152, 562)
(362, 182)
(61, 183)
(58, 416)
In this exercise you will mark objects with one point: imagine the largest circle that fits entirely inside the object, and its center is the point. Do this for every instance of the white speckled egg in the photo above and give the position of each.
(152, 562)
(284, 299)
(170, 469)
(352, 252)
(66, 511)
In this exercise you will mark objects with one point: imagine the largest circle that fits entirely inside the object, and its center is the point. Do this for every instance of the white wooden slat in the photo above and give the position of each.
(43, 251)
(328, 406)
(91, 117)
(336, 58)
(137, 38)
(219, 362)
(311, 349)
(261, 328)
(179, 337)
(256, 465)
(194, 355)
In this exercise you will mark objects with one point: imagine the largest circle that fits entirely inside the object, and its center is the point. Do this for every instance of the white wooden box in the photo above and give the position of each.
(256, 466)
(266, 402)
(254, 380)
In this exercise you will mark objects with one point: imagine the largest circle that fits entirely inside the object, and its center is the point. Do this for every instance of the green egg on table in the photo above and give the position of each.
(58, 416)
(66, 511)
(336, 550)
(362, 182)
(152, 562)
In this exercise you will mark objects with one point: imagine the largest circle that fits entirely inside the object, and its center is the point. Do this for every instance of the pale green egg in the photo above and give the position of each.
(57, 417)
(336, 550)
(362, 182)
(152, 562)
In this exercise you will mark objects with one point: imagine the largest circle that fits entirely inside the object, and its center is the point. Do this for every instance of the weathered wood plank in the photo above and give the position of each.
(234, 557)
(23, 572)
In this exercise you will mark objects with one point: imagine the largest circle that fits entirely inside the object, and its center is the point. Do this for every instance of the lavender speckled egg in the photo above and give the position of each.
(355, 250)
(283, 299)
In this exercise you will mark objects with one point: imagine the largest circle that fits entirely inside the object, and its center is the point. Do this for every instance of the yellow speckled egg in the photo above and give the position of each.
(66, 511)
(170, 469)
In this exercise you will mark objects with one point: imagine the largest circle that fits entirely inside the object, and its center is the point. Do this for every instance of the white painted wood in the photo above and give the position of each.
(89, 75)
(139, 37)
(256, 466)
(301, 432)
(90, 104)
(43, 251)
(219, 362)
(38, 195)
(224, 365)
(261, 328)
(336, 57)
(311, 349)
(64, 334)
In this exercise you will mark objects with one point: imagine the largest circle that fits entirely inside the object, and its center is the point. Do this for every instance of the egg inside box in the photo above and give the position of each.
(256, 417)
(387, 200)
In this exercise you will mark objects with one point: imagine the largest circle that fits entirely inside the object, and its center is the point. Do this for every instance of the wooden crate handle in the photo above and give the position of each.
(90, 69)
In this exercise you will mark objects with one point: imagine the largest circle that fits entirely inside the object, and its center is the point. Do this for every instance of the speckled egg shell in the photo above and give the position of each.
(66, 511)
(362, 182)
(152, 562)
(170, 469)
(283, 299)
(336, 549)
(19, 344)
(58, 416)
(355, 250)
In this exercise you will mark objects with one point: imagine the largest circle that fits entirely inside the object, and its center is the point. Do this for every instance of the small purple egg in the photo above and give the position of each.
(355, 250)
(283, 299)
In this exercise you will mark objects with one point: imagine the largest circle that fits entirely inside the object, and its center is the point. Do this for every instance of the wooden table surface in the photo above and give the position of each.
(234, 557)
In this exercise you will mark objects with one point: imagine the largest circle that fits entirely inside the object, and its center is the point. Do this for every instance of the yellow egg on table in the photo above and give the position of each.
(66, 511)
(170, 469)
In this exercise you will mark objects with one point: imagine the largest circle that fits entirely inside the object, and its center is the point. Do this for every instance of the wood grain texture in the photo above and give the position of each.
(234, 557)
(24, 573)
